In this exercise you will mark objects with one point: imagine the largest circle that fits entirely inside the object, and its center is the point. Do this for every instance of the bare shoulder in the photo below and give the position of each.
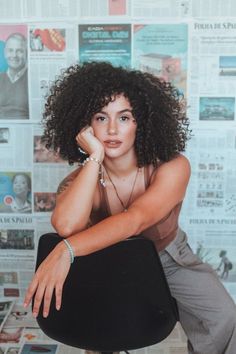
(179, 164)
(68, 180)
(176, 170)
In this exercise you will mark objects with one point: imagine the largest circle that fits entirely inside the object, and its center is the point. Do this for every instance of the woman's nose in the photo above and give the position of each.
(112, 128)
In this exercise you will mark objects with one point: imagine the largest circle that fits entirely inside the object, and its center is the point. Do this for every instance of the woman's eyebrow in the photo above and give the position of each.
(122, 111)
(126, 110)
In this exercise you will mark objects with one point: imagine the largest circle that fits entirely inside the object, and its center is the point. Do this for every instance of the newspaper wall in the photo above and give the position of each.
(190, 43)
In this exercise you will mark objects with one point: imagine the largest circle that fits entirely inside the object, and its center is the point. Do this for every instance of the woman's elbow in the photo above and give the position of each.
(63, 229)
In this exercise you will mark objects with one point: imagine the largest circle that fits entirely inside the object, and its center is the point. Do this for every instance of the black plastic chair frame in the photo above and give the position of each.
(116, 299)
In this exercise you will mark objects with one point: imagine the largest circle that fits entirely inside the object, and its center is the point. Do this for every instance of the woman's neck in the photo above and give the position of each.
(121, 166)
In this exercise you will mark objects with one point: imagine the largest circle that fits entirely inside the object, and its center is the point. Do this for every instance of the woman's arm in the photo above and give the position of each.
(75, 199)
(166, 190)
(76, 194)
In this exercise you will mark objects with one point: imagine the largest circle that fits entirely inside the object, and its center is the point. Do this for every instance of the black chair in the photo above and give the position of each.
(116, 299)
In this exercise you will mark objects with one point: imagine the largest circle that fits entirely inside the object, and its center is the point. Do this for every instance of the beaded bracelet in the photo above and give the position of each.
(70, 250)
(90, 158)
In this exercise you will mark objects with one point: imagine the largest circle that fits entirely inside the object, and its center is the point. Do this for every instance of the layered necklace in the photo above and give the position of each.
(124, 205)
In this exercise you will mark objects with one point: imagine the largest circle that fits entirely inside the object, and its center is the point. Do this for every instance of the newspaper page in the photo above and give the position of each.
(105, 42)
(17, 254)
(208, 214)
(51, 50)
(161, 49)
(212, 70)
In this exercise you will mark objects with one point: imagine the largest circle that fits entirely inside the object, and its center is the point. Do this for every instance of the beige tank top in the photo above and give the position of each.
(162, 233)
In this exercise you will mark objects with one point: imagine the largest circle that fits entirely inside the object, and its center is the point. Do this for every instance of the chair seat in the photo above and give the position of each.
(114, 299)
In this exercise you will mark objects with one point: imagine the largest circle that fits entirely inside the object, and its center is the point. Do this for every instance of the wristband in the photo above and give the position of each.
(70, 250)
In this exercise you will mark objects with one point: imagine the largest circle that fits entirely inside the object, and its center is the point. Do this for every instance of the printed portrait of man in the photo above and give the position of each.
(14, 81)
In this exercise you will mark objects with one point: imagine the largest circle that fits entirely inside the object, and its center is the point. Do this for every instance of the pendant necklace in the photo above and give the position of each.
(124, 206)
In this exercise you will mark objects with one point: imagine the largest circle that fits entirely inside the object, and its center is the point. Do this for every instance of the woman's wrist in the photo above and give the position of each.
(64, 251)
(99, 155)
(96, 157)
(70, 250)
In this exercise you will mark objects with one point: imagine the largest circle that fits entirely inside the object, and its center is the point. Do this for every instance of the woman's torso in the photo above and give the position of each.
(162, 233)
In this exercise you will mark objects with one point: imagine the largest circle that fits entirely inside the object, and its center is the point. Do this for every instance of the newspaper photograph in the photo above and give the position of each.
(15, 192)
(14, 102)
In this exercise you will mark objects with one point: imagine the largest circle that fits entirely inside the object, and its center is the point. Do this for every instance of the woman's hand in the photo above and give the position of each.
(50, 275)
(89, 143)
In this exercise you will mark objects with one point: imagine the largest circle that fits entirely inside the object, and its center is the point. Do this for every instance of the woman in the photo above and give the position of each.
(131, 127)
(21, 185)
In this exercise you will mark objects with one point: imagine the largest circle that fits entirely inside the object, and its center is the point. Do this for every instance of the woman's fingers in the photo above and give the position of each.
(58, 294)
(47, 300)
(30, 292)
(50, 275)
(38, 299)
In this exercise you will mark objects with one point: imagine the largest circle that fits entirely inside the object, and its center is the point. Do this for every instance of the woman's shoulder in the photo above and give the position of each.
(178, 162)
(68, 179)
(177, 167)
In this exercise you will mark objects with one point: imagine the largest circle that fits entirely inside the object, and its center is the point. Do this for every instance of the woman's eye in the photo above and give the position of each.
(101, 118)
(124, 118)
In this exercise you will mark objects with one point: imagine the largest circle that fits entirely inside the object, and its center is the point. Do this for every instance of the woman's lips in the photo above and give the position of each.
(112, 143)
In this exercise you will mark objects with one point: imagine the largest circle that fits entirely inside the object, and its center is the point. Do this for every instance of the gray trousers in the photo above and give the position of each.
(207, 312)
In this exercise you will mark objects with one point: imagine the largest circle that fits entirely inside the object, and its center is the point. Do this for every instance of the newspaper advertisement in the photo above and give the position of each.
(51, 50)
(161, 49)
(105, 42)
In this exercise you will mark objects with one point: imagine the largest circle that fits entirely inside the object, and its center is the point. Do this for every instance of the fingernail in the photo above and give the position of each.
(34, 314)
(58, 307)
(25, 304)
(45, 314)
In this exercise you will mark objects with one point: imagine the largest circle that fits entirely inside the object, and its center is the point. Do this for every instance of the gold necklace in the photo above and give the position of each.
(124, 206)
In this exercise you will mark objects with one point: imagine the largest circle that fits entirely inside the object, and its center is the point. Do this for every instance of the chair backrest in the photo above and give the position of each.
(114, 299)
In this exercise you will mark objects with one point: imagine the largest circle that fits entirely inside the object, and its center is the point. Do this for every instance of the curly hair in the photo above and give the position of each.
(82, 90)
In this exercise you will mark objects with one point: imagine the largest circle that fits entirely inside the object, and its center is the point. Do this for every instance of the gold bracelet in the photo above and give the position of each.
(90, 158)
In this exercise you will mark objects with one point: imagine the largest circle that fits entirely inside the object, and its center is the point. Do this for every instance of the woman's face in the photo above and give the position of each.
(115, 127)
(20, 186)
